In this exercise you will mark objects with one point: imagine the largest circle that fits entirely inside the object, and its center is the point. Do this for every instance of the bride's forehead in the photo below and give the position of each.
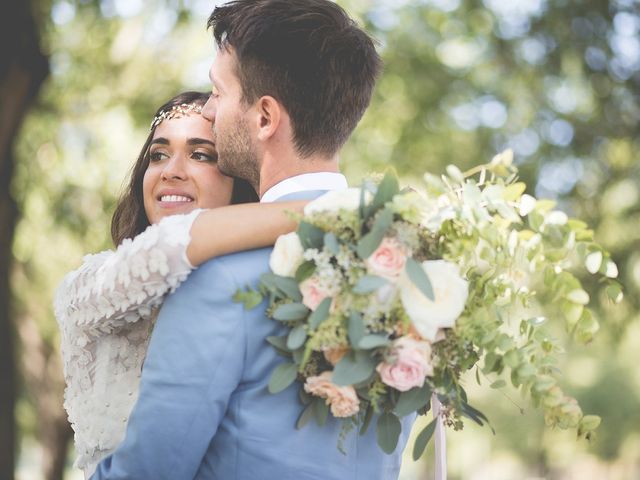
(189, 125)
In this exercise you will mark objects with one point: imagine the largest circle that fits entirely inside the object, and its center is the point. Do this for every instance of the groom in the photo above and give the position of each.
(291, 80)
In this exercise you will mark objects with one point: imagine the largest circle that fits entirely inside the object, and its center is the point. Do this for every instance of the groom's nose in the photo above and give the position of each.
(209, 109)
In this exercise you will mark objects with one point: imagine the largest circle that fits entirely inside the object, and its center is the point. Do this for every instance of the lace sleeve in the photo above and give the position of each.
(115, 288)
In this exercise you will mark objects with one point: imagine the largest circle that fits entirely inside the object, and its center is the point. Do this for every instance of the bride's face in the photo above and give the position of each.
(183, 173)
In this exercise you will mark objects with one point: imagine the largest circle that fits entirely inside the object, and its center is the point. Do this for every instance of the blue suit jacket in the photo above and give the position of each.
(204, 411)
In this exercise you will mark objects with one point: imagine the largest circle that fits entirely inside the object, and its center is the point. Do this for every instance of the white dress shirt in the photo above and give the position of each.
(305, 182)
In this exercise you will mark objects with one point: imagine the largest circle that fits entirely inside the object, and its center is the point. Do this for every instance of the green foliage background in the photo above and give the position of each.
(557, 81)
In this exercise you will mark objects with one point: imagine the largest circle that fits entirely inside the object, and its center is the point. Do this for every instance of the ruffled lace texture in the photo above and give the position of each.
(106, 310)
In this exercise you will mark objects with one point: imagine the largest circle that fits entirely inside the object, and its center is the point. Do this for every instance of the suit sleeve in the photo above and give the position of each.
(193, 365)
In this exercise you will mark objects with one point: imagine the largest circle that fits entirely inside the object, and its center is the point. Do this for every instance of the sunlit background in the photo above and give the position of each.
(557, 81)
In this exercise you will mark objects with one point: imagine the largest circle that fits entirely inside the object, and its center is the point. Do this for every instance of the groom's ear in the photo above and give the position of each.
(268, 117)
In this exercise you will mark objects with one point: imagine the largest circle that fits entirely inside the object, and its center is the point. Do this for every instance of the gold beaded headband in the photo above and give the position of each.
(176, 111)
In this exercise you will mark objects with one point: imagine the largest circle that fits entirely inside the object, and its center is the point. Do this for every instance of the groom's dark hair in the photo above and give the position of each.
(307, 54)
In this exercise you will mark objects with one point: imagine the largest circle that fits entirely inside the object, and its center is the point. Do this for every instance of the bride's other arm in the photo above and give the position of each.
(237, 228)
(115, 288)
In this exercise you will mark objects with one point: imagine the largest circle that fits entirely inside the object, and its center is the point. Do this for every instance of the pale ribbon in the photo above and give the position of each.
(441, 445)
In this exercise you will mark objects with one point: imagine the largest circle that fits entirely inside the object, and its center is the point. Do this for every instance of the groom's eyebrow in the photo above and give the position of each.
(161, 140)
(199, 141)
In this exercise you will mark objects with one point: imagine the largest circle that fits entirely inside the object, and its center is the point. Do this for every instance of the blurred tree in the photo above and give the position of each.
(23, 68)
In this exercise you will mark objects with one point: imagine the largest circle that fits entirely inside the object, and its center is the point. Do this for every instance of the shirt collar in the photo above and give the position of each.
(306, 181)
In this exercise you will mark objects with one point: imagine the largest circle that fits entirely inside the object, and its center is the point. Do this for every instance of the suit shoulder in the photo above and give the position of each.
(238, 268)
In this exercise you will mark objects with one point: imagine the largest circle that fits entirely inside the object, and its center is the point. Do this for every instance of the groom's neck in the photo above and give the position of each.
(274, 170)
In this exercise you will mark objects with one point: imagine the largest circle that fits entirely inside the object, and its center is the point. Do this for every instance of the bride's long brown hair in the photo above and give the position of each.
(129, 218)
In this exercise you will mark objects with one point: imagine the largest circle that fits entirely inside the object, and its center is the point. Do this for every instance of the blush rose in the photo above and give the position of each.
(343, 401)
(411, 364)
(388, 260)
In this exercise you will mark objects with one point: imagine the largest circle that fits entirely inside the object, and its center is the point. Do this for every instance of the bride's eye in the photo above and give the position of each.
(157, 156)
(204, 156)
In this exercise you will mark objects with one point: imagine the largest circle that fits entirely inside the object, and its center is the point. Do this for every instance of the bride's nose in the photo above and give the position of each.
(175, 168)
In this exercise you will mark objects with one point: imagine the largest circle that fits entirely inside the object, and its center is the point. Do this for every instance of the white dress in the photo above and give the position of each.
(105, 310)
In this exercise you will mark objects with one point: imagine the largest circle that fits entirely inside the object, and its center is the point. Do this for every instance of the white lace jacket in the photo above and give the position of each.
(106, 310)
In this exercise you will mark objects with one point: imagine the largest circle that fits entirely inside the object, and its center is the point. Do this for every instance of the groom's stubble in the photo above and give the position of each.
(237, 155)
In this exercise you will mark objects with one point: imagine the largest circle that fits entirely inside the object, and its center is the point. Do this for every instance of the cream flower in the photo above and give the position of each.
(450, 292)
(335, 200)
(287, 255)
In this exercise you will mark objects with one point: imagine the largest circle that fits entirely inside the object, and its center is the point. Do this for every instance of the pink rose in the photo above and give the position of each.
(312, 293)
(342, 400)
(388, 260)
(412, 364)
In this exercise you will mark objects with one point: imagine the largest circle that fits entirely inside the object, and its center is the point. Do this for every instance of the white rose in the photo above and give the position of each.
(450, 292)
(286, 256)
(347, 199)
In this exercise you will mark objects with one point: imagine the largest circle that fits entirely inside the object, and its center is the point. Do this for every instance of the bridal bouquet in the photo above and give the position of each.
(391, 295)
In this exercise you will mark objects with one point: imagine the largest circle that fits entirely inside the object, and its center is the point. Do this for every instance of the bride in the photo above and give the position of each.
(174, 215)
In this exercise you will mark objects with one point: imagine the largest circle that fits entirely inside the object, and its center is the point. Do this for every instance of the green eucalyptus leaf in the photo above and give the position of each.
(283, 376)
(367, 419)
(320, 314)
(420, 278)
(369, 342)
(320, 411)
(288, 286)
(388, 188)
(305, 417)
(310, 235)
(388, 431)
(498, 384)
(355, 367)
(279, 343)
(371, 241)
(305, 270)
(356, 328)
(412, 400)
(268, 280)
(422, 440)
(298, 356)
(368, 284)
(331, 243)
(296, 337)
(291, 312)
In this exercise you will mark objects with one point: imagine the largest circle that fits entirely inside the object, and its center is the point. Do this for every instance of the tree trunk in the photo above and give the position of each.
(42, 369)
(23, 68)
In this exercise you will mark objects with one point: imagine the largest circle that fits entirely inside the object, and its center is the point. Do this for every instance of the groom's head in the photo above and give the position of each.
(301, 65)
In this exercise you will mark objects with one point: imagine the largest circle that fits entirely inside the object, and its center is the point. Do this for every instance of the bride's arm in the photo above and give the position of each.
(239, 227)
(115, 288)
